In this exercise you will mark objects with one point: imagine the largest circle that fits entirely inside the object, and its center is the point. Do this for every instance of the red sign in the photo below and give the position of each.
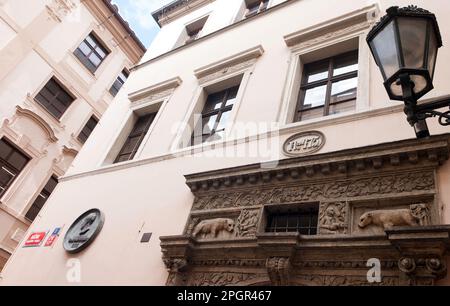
(35, 239)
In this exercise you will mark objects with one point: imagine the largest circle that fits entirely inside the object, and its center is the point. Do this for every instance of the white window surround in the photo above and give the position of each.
(228, 72)
(184, 36)
(339, 34)
(152, 99)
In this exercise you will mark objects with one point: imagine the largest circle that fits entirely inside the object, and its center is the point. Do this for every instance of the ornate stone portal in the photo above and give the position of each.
(377, 202)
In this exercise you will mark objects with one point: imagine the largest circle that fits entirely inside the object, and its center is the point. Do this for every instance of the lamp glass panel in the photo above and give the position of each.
(432, 53)
(413, 35)
(385, 45)
(419, 85)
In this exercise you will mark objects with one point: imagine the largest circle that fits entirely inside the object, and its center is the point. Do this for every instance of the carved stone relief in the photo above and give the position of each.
(58, 9)
(350, 188)
(213, 228)
(333, 218)
(247, 223)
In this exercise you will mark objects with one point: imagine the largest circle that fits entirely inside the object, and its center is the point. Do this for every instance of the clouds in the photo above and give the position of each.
(138, 14)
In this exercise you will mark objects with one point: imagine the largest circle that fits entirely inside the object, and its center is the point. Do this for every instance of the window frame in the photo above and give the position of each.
(84, 59)
(84, 127)
(15, 172)
(328, 82)
(261, 8)
(134, 134)
(219, 112)
(46, 193)
(311, 211)
(126, 73)
(54, 98)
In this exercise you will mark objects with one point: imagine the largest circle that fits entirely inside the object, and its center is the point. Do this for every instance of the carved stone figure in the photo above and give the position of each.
(211, 228)
(388, 218)
(332, 218)
(421, 212)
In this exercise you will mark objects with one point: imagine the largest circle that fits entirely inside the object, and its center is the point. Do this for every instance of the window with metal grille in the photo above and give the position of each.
(88, 129)
(91, 53)
(118, 83)
(328, 87)
(134, 140)
(42, 198)
(302, 220)
(54, 98)
(255, 7)
(215, 116)
(12, 162)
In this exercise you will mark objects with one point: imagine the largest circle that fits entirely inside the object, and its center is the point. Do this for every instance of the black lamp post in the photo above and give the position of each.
(405, 44)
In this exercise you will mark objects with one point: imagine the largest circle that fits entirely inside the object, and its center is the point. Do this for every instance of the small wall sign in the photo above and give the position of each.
(35, 240)
(53, 237)
(304, 143)
(83, 231)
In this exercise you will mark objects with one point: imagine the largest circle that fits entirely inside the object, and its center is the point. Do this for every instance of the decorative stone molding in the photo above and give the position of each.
(229, 65)
(58, 9)
(38, 120)
(349, 23)
(278, 269)
(155, 92)
(333, 218)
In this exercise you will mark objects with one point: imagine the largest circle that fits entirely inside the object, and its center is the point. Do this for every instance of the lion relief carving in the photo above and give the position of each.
(208, 229)
(415, 216)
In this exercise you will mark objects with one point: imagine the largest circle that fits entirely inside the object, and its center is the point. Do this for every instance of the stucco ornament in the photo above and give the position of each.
(211, 228)
(333, 218)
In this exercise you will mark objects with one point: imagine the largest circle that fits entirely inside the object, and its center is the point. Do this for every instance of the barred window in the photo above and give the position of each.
(302, 220)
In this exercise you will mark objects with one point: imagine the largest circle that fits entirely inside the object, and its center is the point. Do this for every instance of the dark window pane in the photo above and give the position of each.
(304, 221)
(41, 199)
(322, 91)
(118, 83)
(87, 130)
(54, 98)
(91, 53)
(12, 162)
(134, 140)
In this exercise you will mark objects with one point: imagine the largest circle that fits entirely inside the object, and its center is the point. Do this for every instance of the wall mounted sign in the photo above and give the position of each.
(83, 231)
(53, 237)
(304, 143)
(35, 240)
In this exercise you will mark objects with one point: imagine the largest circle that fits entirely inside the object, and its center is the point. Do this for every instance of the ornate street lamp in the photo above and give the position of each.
(405, 44)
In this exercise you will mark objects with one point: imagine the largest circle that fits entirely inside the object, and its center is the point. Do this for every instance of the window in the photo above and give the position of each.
(91, 53)
(118, 83)
(191, 32)
(301, 220)
(134, 140)
(41, 199)
(215, 116)
(87, 129)
(54, 98)
(328, 87)
(12, 162)
(255, 7)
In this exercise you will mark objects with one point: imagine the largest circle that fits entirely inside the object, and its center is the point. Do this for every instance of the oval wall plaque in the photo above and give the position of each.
(83, 231)
(304, 143)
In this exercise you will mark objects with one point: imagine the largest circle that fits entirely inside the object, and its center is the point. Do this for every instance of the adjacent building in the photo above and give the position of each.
(62, 62)
(254, 144)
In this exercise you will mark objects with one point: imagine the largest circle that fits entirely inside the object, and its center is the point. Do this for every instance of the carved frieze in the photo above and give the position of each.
(58, 9)
(343, 189)
(220, 278)
(247, 223)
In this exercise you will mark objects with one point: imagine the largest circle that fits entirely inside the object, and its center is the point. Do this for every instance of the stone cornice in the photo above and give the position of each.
(431, 152)
(236, 59)
(355, 20)
(176, 9)
(155, 89)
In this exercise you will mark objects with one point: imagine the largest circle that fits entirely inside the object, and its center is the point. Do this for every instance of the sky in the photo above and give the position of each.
(138, 14)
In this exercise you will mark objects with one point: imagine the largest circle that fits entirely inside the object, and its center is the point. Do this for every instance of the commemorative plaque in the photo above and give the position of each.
(83, 231)
(304, 143)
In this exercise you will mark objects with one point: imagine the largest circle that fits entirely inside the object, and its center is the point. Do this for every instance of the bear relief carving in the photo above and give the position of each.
(418, 214)
(214, 228)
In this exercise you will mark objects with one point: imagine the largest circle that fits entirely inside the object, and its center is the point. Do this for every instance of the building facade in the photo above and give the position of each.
(63, 62)
(254, 144)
